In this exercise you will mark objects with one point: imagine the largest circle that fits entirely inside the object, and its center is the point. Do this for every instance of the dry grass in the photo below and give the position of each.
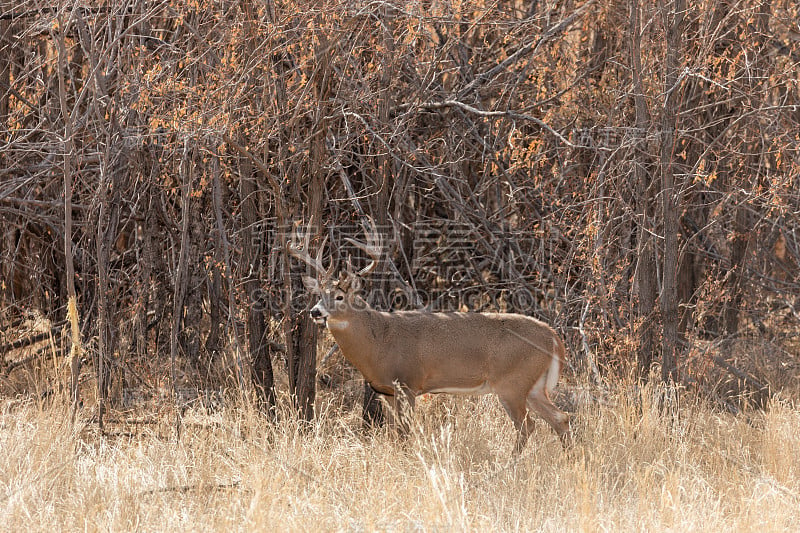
(632, 468)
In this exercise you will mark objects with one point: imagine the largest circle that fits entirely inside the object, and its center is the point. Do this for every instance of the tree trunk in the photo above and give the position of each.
(646, 271)
(180, 280)
(302, 366)
(69, 147)
(730, 314)
(261, 365)
(107, 225)
(673, 22)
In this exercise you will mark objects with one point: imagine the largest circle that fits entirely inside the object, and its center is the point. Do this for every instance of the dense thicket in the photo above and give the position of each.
(627, 172)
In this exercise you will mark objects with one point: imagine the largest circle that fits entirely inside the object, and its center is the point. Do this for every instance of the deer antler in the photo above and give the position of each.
(300, 251)
(372, 247)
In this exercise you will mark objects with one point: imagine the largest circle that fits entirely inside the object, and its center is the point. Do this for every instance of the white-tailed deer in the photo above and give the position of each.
(403, 354)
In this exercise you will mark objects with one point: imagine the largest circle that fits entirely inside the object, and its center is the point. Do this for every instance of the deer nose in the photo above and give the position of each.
(315, 313)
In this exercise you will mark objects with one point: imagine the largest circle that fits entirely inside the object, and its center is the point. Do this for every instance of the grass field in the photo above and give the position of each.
(631, 469)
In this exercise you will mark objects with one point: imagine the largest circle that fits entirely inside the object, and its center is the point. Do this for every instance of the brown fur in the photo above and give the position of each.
(408, 353)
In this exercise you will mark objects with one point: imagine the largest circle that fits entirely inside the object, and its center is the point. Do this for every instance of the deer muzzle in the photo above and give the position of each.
(319, 314)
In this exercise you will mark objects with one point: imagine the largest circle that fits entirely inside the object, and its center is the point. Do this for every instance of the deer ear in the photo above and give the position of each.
(355, 283)
(311, 283)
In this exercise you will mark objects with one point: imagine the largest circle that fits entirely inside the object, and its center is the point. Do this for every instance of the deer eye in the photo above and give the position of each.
(339, 297)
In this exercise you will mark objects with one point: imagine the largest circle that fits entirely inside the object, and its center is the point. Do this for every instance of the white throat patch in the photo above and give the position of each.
(337, 324)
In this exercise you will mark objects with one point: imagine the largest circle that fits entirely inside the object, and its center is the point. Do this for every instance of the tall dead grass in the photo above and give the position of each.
(632, 468)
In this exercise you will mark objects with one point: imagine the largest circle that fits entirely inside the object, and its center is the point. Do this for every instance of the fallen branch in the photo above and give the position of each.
(13, 365)
(27, 341)
(746, 377)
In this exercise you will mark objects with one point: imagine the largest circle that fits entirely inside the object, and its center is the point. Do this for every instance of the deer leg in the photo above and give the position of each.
(403, 403)
(518, 412)
(539, 401)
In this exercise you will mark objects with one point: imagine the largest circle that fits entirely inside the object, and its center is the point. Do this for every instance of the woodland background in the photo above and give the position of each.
(626, 171)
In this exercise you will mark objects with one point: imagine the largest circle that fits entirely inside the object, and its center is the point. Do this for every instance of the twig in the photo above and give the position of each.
(587, 349)
(198, 488)
(529, 48)
(333, 350)
(491, 114)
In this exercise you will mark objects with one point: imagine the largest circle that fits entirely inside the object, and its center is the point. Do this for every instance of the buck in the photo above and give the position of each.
(403, 354)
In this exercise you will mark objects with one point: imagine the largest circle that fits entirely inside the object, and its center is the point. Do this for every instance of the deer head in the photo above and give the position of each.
(339, 297)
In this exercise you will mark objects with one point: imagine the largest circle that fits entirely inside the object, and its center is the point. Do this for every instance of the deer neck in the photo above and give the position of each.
(356, 337)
